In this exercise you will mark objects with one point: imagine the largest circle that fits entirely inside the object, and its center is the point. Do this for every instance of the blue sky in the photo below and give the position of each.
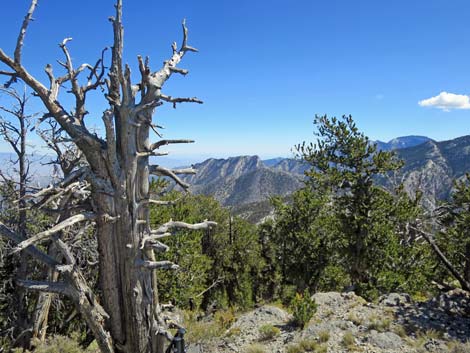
(265, 68)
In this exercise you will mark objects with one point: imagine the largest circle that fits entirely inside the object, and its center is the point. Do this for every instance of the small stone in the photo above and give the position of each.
(395, 299)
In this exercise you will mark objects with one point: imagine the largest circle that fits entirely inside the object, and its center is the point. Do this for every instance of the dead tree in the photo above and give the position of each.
(60, 206)
(14, 125)
(118, 172)
(14, 131)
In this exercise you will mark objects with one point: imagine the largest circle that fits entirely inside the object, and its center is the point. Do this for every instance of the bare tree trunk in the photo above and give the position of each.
(68, 159)
(15, 134)
(44, 302)
(118, 172)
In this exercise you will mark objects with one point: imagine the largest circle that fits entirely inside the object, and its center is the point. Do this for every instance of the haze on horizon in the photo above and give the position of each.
(265, 68)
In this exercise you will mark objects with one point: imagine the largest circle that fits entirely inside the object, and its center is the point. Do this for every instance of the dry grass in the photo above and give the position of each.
(255, 348)
(308, 345)
(348, 340)
(356, 320)
(294, 348)
(61, 344)
(378, 324)
(323, 336)
(458, 347)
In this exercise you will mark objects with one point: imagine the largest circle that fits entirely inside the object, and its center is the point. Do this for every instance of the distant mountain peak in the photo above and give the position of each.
(402, 142)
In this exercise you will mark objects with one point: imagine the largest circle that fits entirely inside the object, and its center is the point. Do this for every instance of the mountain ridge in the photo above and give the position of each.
(247, 182)
(402, 142)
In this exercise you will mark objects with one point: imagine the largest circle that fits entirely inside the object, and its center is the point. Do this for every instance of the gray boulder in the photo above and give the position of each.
(385, 340)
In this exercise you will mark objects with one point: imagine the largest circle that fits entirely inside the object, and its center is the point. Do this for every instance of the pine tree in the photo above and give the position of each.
(361, 219)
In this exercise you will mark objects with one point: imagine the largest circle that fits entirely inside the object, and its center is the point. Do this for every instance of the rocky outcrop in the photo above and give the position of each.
(345, 322)
(432, 168)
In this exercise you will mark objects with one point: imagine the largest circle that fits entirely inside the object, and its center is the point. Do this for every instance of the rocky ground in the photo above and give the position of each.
(345, 322)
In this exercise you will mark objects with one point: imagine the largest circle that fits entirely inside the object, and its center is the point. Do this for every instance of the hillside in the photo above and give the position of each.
(242, 180)
(345, 322)
(433, 166)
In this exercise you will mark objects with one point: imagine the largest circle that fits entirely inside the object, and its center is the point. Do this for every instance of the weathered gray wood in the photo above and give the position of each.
(118, 172)
(74, 286)
(87, 216)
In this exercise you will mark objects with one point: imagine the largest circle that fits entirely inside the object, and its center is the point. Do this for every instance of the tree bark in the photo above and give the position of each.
(119, 177)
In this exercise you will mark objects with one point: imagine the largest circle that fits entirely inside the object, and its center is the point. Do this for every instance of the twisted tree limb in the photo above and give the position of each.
(74, 286)
(172, 173)
(87, 216)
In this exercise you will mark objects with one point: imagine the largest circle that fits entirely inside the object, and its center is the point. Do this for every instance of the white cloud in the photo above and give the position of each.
(447, 101)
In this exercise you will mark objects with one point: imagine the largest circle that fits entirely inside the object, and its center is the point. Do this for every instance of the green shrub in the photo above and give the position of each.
(288, 294)
(224, 318)
(303, 308)
(430, 334)
(334, 278)
(268, 332)
(199, 331)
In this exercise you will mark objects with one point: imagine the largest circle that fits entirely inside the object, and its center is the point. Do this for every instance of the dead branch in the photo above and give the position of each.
(49, 287)
(174, 101)
(115, 75)
(177, 70)
(430, 239)
(157, 246)
(158, 265)
(77, 289)
(24, 27)
(87, 216)
(70, 179)
(32, 250)
(152, 82)
(215, 283)
(161, 143)
(172, 173)
(163, 203)
(153, 237)
(182, 225)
